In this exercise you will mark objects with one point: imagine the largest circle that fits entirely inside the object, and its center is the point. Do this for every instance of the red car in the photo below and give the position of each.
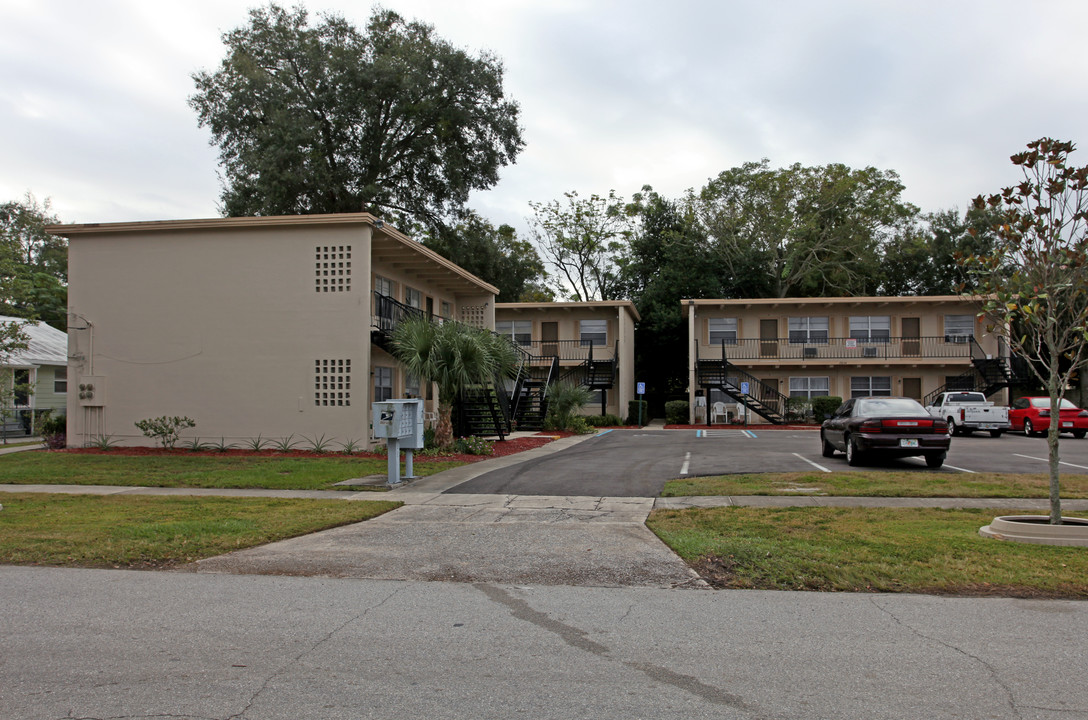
(1032, 415)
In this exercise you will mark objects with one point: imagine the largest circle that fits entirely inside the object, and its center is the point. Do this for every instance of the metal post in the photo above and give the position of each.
(393, 452)
(408, 474)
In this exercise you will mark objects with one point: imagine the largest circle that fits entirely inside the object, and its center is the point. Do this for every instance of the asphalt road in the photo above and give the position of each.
(637, 463)
(130, 644)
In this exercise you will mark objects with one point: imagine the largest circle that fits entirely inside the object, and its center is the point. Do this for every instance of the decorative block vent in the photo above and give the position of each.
(333, 266)
(332, 382)
(473, 315)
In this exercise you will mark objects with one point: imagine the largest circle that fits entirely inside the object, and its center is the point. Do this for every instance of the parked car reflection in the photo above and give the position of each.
(1032, 415)
(887, 426)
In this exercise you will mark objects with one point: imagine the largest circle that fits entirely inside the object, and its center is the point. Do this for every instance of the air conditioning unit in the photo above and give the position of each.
(810, 352)
(868, 352)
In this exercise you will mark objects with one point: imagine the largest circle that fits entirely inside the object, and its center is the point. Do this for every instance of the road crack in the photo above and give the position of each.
(313, 648)
(578, 638)
(994, 675)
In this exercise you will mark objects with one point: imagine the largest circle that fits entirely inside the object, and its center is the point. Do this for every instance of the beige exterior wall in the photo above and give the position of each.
(222, 321)
(567, 316)
(928, 362)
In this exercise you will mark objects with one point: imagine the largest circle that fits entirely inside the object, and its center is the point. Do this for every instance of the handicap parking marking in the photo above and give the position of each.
(725, 433)
(1060, 462)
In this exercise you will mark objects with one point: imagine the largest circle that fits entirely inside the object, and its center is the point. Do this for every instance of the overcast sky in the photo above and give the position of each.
(613, 95)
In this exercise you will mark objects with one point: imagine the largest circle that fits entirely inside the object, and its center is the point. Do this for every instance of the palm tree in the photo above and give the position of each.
(453, 356)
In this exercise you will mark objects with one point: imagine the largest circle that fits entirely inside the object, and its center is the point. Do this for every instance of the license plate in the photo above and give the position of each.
(908, 442)
(1067, 424)
(987, 426)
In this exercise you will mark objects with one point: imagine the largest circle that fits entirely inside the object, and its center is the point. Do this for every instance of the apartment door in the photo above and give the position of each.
(912, 388)
(912, 342)
(430, 307)
(549, 339)
(768, 338)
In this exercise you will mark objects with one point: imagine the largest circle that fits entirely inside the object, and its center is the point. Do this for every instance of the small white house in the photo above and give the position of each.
(38, 374)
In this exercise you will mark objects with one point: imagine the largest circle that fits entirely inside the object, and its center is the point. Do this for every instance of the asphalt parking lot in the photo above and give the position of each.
(637, 463)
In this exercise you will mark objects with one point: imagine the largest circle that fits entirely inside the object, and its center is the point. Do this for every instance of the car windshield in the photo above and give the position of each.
(876, 407)
(1045, 403)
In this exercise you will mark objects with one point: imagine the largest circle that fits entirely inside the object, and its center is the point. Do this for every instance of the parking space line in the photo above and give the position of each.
(818, 467)
(953, 467)
(1060, 462)
(687, 462)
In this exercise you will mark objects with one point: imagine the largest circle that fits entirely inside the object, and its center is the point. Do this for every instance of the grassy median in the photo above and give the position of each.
(155, 532)
(199, 471)
(867, 550)
(923, 483)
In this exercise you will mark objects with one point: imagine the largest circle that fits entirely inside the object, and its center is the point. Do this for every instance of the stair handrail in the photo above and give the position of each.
(766, 392)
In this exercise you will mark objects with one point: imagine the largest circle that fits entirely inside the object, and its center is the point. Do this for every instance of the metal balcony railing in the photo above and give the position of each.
(895, 348)
(576, 350)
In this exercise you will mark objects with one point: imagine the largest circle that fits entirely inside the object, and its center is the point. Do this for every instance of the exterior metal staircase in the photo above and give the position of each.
(760, 398)
(987, 375)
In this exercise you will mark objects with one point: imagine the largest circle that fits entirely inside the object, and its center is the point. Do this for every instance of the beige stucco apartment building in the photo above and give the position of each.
(593, 341)
(265, 326)
(846, 347)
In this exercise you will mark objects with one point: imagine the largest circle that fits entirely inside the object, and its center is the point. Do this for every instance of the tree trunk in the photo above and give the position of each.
(1052, 447)
(443, 432)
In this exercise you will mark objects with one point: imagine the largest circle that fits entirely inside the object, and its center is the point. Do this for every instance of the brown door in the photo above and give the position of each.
(912, 343)
(768, 338)
(549, 333)
(912, 388)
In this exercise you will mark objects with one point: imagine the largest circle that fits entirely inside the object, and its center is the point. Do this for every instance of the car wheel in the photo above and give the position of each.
(1079, 434)
(996, 433)
(828, 448)
(951, 426)
(1029, 429)
(935, 460)
(853, 455)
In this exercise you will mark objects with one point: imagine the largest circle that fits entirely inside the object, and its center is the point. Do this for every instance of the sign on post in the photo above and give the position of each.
(640, 389)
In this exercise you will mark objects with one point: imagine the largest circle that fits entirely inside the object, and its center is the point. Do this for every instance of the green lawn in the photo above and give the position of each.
(143, 531)
(868, 550)
(923, 483)
(198, 471)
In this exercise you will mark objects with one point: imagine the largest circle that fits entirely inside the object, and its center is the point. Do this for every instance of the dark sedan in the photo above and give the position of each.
(888, 426)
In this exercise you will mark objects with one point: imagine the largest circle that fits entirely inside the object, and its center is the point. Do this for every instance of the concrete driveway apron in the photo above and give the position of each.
(495, 538)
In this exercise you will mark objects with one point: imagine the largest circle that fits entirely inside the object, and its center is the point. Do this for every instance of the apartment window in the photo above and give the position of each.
(520, 331)
(60, 380)
(413, 298)
(447, 311)
(411, 386)
(383, 384)
(722, 330)
(593, 332)
(959, 328)
(810, 387)
(383, 286)
(871, 328)
(810, 330)
(865, 386)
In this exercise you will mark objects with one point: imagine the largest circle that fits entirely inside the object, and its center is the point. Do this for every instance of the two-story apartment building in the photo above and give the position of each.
(257, 326)
(589, 343)
(751, 356)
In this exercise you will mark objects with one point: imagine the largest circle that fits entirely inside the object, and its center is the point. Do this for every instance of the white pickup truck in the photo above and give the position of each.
(967, 411)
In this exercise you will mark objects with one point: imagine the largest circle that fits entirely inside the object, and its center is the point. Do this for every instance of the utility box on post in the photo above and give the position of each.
(400, 422)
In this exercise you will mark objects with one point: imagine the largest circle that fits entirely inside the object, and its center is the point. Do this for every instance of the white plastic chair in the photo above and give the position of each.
(717, 410)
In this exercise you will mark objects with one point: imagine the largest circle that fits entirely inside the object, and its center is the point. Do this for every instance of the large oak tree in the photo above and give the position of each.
(324, 118)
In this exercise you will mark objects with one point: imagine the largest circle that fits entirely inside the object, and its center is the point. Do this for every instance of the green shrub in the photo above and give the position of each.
(676, 412)
(579, 426)
(164, 429)
(54, 431)
(797, 409)
(603, 420)
(472, 445)
(565, 399)
(824, 407)
(633, 414)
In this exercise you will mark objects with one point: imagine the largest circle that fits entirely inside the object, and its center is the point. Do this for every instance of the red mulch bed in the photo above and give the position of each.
(500, 449)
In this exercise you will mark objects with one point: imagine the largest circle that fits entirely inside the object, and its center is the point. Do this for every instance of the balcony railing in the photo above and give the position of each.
(577, 350)
(388, 313)
(896, 348)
